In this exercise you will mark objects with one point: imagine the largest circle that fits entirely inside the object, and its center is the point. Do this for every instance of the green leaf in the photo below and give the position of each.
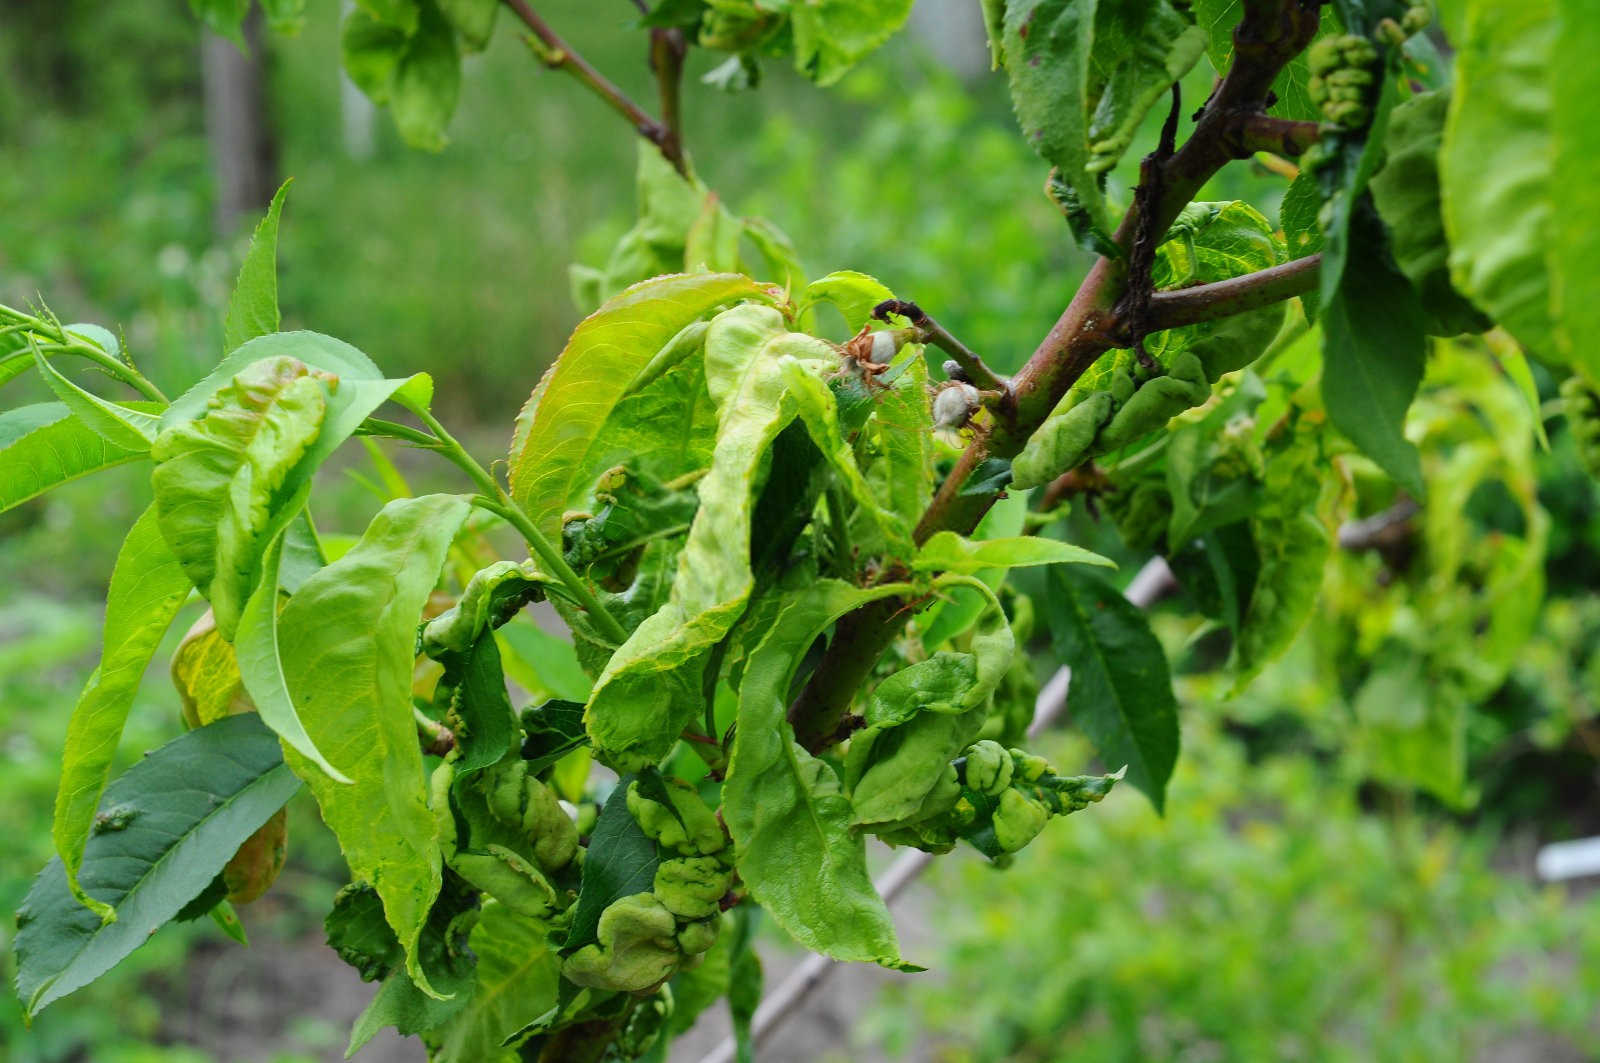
(553, 730)
(347, 639)
(819, 410)
(222, 16)
(652, 686)
(516, 983)
(427, 82)
(287, 17)
(402, 14)
(370, 50)
(164, 831)
(128, 427)
(1574, 243)
(854, 294)
(414, 1008)
(253, 307)
(789, 817)
(473, 21)
(1373, 353)
(545, 664)
(621, 862)
(948, 552)
(1121, 692)
(1083, 75)
(44, 445)
(562, 422)
(831, 36)
(260, 664)
(1413, 730)
(147, 588)
(1406, 191)
(1495, 173)
(217, 479)
(1047, 46)
(744, 984)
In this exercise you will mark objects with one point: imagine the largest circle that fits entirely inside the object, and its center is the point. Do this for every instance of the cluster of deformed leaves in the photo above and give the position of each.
(708, 486)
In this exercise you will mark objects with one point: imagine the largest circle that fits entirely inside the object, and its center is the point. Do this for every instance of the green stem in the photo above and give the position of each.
(498, 502)
(57, 340)
(374, 426)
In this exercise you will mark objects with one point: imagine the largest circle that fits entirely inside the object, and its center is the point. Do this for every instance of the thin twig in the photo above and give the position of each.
(557, 54)
(1152, 583)
(667, 51)
(976, 372)
(1207, 302)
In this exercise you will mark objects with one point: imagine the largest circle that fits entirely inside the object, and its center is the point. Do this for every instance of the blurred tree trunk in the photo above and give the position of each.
(243, 154)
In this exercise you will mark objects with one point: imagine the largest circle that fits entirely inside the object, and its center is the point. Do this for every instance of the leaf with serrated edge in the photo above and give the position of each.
(563, 418)
(253, 307)
(167, 827)
(1121, 691)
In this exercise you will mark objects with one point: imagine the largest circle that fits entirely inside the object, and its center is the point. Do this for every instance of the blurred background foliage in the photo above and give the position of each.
(1289, 906)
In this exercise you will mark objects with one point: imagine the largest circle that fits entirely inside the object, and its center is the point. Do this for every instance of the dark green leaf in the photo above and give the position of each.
(164, 831)
(1121, 692)
(621, 862)
(553, 730)
(1373, 353)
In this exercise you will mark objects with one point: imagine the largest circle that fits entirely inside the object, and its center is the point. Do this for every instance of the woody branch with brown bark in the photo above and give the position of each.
(1232, 125)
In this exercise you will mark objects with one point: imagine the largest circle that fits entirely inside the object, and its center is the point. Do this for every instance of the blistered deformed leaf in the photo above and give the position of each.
(147, 588)
(653, 684)
(897, 766)
(563, 420)
(788, 815)
(216, 478)
(164, 831)
(621, 862)
(515, 984)
(347, 640)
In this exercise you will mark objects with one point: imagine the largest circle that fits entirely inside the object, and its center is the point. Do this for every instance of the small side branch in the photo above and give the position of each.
(1207, 302)
(977, 373)
(667, 51)
(1281, 136)
(557, 54)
